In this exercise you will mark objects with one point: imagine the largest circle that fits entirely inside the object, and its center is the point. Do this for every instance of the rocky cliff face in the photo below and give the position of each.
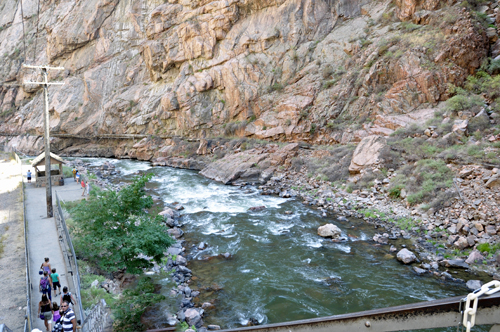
(273, 69)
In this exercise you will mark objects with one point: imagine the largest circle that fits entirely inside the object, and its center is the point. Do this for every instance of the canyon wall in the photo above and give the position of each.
(283, 70)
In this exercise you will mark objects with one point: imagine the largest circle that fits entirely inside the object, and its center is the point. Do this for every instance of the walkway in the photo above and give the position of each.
(43, 237)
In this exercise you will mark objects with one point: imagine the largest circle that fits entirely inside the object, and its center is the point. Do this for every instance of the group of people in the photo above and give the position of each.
(62, 315)
(85, 185)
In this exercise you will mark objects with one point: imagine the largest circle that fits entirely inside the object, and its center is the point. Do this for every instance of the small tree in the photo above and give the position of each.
(112, 229)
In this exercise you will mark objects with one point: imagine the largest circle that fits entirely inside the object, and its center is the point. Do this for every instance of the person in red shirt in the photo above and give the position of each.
(83, 187)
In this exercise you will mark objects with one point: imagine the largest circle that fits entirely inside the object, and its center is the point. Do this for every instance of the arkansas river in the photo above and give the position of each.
(280, 269)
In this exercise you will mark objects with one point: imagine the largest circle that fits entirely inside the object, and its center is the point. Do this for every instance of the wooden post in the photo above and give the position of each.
(45, 83)
(48, 173)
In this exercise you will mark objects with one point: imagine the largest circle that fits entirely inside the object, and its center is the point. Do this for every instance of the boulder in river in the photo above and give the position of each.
(202, 246)
(474, 284)
(193, 317)
(168, 212)
(175, 232)
(329, 230)
(256, 208)
(419, 270)
(406, 256)
(456, 263)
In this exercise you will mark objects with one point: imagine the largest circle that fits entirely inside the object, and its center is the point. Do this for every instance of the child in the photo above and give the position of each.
(29, 176)
(55, 281)
(57, 314)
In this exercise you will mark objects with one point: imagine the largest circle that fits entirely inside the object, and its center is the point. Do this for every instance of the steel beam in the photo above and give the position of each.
(423, 315)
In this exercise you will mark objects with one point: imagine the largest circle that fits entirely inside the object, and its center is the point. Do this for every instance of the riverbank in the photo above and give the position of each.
(457, 219)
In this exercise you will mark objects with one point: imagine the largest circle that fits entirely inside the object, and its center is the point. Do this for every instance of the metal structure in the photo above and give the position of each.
(45, 83)
(69, 258)
(97, 317)
(423, 315)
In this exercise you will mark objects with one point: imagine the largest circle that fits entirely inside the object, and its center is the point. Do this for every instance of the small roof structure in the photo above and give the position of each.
(41, 160)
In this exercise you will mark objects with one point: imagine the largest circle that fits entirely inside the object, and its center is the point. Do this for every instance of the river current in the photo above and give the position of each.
(280, 269)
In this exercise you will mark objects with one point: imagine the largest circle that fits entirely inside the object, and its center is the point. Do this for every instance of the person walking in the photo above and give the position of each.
(77, 177)
(45, 309)
(45, 267)
(84, 188)
(56, 314)
(67, 296)
(45, 285)
(28, 175)
(74, 171)
(68, 318)
(55, 281)
(88, 188)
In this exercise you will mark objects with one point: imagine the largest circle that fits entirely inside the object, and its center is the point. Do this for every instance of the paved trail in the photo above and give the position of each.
(43, 237)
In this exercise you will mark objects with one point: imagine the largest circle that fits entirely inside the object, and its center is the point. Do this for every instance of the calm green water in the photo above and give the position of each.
(280, 269)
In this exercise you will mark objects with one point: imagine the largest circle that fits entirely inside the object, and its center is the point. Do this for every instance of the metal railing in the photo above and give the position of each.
(27, 321)
(96, 319)
(69, 255)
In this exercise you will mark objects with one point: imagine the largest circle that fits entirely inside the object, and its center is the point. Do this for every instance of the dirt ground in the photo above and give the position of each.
(12, 259)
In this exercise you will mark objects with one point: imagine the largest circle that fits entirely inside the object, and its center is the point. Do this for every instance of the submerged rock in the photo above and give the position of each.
(257, 208)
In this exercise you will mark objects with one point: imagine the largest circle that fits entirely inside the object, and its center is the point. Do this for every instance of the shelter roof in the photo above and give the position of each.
(41, 158)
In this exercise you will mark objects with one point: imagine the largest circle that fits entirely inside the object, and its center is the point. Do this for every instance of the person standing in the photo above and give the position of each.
(84, 188)
(74, 171)
(88, 188)
(55, 281)
(77, 177)
(45, 285)
(68, 318)
(45, 308)
(28, 175)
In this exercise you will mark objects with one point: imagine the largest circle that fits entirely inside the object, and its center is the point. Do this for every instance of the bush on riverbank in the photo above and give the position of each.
(133, 303)
(114, 231)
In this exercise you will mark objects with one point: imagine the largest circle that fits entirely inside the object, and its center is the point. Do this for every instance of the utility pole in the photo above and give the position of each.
(45, 83)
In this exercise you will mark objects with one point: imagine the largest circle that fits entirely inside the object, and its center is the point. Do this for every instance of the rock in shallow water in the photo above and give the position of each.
(406, 256)
(474, 284)
(329, 230)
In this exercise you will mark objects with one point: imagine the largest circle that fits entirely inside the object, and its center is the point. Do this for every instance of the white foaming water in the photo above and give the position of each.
(343, 247)
(314, 243)
(196, 194)
(128, 167)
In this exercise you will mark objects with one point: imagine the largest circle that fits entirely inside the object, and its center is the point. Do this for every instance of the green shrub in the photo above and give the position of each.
(113, 228)
(463, 102)
(134, 302)
(488, 247)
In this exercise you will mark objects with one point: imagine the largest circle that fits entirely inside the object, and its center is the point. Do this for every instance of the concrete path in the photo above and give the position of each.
(43, 238)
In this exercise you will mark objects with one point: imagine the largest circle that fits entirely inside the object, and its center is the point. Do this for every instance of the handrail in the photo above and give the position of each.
(27, 322)
(73, 263)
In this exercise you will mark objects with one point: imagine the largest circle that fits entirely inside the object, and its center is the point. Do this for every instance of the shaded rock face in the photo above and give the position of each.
(367, 153)
(206, 68)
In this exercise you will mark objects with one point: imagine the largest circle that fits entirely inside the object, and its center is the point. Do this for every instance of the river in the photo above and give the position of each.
(280, 269)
